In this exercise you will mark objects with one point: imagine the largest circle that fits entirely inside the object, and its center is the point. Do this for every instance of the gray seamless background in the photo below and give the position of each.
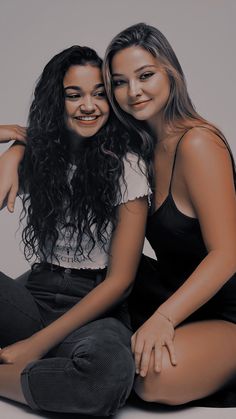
(201, 32)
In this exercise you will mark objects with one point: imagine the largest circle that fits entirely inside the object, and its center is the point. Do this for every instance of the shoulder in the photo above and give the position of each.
(201, 147)
(131, 158)
(134, 182)
(204, 156)
(133, 162)
(199, 140)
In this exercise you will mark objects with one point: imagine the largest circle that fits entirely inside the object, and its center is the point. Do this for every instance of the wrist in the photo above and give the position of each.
(40, 340)
(163, 313)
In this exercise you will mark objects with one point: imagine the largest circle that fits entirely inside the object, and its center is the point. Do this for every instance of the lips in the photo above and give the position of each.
(140, 103)
(87, 118)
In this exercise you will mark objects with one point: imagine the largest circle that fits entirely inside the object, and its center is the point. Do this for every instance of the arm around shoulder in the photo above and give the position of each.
(9, 185)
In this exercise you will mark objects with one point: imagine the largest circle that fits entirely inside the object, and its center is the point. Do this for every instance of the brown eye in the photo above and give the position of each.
(146, 75)
(100, 94)
(72, 96)
(118, 82)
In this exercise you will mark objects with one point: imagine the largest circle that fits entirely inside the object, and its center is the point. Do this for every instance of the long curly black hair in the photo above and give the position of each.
(50, 201)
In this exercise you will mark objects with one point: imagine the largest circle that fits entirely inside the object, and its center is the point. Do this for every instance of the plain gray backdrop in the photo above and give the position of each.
(201, 32)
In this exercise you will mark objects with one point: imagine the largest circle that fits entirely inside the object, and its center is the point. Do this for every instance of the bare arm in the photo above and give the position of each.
(126, 247)
(208, 175)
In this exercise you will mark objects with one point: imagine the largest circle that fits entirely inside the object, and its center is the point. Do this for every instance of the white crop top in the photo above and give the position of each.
(136, 186)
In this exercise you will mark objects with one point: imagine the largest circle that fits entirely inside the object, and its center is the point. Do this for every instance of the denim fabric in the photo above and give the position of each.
(19, 314)
(92, 370)
(56, 290)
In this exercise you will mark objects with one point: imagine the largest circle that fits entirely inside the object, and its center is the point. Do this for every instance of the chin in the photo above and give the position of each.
(141, 116)
(87, 135)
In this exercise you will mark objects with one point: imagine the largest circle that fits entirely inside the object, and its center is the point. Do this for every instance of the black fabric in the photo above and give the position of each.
(179, 247)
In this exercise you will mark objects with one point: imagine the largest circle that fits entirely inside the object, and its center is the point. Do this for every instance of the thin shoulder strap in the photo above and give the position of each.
(176, 149)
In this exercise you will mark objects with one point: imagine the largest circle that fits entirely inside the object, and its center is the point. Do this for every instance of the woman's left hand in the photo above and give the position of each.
(21, 352)
(9, 185)
(155, 333)
(12, 132)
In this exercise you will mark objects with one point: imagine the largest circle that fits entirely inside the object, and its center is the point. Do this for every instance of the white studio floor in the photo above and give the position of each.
(10, 410)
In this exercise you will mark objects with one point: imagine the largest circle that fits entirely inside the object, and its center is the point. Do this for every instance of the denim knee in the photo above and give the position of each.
(95, 380)
(109, 372)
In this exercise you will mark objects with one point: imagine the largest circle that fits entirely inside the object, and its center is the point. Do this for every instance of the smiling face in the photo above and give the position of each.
(86, 106)
(141, 85)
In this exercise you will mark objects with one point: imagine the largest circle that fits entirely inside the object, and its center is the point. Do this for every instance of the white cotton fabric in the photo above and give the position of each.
(135, 175)
(135, 186)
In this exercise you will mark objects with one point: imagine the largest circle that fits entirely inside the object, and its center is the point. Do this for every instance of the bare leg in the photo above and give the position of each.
(206, 356)
(10, 384)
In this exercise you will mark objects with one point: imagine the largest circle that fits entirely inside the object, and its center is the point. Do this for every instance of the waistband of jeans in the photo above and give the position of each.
(87, 273)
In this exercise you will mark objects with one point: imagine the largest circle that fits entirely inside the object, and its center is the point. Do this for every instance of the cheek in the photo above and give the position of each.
(67, 114)
(120, 97)
(106, 111)
(105, 117)
(165, 87)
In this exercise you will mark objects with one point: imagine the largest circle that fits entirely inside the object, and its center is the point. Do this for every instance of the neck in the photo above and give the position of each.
(159, 128)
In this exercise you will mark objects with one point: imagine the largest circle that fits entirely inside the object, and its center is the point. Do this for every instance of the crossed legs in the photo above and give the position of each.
(90, 372)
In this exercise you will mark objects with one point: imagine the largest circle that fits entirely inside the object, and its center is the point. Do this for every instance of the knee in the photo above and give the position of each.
(160, 387)
(109, 358)
(150, 391)
(108, 370)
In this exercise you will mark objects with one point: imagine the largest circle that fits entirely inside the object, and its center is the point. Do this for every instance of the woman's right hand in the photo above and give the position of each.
(12, 132)
(155, 333)
(22, 352)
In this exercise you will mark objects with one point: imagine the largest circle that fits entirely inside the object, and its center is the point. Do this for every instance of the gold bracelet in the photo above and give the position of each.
(166, 317)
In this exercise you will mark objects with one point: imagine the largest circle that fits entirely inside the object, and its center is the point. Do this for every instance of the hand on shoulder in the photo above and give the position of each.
(9, 184)
(12, 132)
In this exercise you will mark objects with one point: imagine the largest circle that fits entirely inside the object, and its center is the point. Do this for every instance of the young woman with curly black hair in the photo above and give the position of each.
(65, 334)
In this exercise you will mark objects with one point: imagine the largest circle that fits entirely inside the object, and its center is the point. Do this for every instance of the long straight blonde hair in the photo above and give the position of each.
(179, 112)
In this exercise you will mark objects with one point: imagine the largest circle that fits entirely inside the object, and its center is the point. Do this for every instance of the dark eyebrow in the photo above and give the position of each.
(137, 70)
(72, 88)
(98, 85)
(78, 88)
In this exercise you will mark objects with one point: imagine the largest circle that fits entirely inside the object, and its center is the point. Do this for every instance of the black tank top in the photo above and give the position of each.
(175, 237)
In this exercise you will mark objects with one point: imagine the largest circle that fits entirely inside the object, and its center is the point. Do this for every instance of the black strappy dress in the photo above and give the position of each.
(179, 247)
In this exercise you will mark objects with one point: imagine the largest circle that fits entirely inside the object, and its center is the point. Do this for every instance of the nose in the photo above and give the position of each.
(87, 106)
(134, 89)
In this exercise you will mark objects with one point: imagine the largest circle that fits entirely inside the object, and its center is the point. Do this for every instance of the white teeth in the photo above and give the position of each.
(86, 118)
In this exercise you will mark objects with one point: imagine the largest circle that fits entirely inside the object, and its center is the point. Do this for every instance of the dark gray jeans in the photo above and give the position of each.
(91, 372)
